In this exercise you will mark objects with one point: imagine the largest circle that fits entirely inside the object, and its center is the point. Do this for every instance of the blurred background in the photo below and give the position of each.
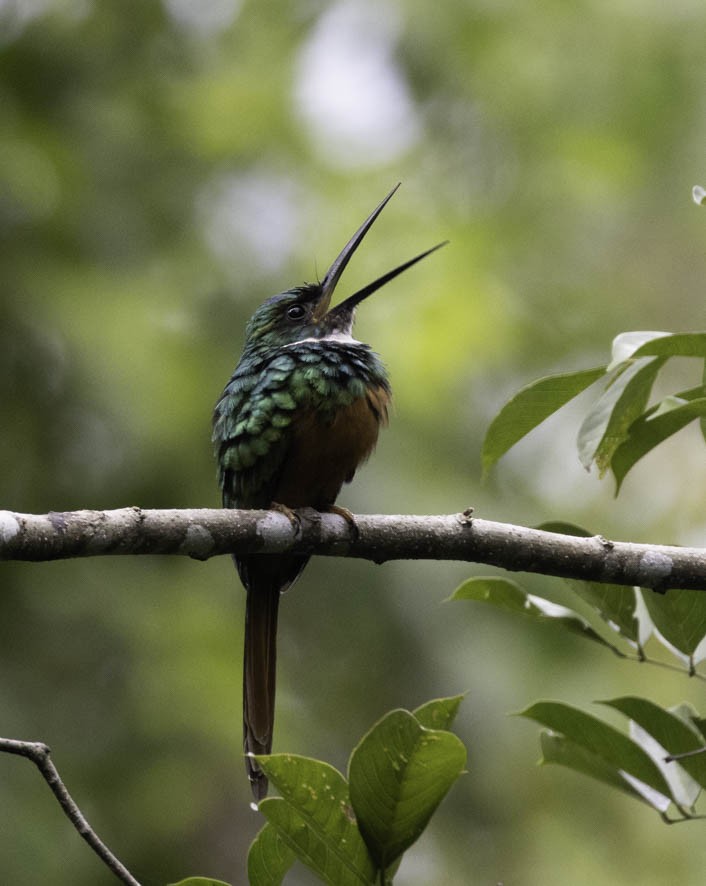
(164, 167)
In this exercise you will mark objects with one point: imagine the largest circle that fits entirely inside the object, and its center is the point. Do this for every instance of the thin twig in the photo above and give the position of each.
(38, 753)
(672, 758)
(668, 666)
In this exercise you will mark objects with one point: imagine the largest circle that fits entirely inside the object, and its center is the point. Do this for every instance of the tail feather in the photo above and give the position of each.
(265, 579)
(259, 677)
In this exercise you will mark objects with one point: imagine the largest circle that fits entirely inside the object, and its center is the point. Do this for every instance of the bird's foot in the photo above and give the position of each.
(347, 516)
(291, 515)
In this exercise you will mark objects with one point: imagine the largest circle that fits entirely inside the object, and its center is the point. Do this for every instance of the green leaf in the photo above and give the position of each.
(315, 820)
(606, 425)
(562, 527)
(200, 881)
(562, 751)
(670, 731)
(674, 400)
(530, 407)
(399, 773)
(269, 858)
(512, 597)
(680, 618)
(690, 394)
(616, 604)
(699, 723)
(668, 404)
(648, 432)
(626, 345)
(684, 789)
(679, 344)
(438, 713)
(603, 740)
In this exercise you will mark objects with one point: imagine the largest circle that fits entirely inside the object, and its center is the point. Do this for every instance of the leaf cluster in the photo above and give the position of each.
(624, 620)
(620, 427)
(660, 763)
(355, 830)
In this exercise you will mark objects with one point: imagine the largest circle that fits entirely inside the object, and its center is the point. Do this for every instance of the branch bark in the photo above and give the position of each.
(203, 533)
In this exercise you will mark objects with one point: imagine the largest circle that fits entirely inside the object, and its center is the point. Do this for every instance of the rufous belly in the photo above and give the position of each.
(326, 449)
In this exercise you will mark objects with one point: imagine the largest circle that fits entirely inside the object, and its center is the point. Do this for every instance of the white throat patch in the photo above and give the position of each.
(343, 337)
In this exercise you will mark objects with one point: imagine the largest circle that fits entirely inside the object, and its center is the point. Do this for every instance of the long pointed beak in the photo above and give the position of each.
(346, 308)
(333, 275)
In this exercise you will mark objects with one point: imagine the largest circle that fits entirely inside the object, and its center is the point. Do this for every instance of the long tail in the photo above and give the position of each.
(259, 677)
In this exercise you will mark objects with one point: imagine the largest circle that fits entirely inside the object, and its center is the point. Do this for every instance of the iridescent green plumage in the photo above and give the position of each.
(267, 392)
(300, 413)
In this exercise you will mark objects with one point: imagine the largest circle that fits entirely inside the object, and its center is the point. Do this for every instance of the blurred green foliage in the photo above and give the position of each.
(166, 166)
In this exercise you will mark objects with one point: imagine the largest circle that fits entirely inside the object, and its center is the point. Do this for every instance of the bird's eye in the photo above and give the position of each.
(296, 312)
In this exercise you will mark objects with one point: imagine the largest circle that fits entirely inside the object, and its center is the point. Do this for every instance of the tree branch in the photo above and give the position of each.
(203, 533)
(38, 753)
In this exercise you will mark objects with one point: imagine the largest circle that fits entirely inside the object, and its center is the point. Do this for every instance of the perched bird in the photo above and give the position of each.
(300, 413)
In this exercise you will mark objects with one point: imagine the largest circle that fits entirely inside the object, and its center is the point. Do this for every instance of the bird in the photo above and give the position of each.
(300, 413)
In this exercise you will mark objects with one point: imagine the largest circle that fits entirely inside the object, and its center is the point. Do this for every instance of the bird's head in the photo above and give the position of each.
(305, 313)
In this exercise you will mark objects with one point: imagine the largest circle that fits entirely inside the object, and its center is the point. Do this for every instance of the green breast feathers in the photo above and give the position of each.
(263, 399)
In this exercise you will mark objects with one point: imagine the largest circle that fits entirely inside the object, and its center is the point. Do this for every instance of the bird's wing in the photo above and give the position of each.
(249, 431)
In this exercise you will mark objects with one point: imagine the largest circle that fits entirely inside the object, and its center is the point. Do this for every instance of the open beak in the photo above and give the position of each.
(342, 314)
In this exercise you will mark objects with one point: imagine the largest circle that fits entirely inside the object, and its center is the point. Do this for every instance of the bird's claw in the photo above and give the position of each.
(347, 516)
(291, 515)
